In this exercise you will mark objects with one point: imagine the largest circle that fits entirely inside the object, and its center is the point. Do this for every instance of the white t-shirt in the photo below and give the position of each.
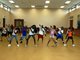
(14, 32)
(41, 31)
(4, 31)
(30, 32)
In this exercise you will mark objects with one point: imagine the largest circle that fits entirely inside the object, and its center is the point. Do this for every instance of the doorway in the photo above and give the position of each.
(71, 23)
(19, 22)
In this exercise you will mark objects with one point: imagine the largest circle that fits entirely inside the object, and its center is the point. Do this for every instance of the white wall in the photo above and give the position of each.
(41, 16)
(7, 16)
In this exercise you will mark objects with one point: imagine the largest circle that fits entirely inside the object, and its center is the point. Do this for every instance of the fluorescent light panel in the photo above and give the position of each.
(1, 5)
(11, 1)
(47, 2)
(33, 6)
(45, 6)
(67, 2)
(61, 6)
(16, 6)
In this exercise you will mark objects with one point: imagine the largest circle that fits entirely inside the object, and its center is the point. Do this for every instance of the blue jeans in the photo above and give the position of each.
(11, 38)
(22, 37)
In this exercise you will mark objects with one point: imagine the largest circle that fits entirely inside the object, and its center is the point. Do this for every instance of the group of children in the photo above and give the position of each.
(26, 32)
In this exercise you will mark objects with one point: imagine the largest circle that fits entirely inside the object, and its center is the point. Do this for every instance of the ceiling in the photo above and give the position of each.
(39, 3)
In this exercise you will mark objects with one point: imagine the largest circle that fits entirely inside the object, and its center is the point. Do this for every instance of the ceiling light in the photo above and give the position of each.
(47, 2)
(67, 2)
(1, 5)
(11, 1)
(45, 6)
(77, 6)
(16, 6)
(5, 8)
(32, 6)
(8, 9)
(61, 6)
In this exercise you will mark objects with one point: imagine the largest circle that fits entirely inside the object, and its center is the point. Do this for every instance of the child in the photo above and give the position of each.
(24, 33)
(41, 33)
(9, 29)
(31, 34)
(1, 34)
(4, 32)
(60, 34)
(69, 36)
(14, 35)
(52, 35)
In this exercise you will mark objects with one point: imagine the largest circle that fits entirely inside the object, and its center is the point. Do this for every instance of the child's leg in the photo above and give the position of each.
(62, 40)
(34, 39)
(42, 38)
(49, 41)
(72, 40)
(38, 38)
(22, 38)
(10, 40)
(16, 39)
(54, 40)
(28, 39)
(57, 38)
(67, 40)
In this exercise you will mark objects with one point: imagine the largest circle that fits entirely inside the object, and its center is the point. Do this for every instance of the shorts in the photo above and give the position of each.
(40, 36)
(9, 33)
(59, 36)
(51, 36)
(70, 37)
(4, 34)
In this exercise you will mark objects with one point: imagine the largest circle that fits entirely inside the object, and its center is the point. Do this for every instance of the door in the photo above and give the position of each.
(3, 22)
(19, 23)
(71, 23)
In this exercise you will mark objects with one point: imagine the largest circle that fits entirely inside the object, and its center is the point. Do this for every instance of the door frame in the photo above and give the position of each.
(15, 20)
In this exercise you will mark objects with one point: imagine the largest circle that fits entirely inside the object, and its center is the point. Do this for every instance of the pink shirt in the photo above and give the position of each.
(52, 32)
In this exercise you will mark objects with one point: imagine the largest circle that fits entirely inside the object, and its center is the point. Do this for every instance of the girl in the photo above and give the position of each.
(24, 33)
(31, 34)
(14, 35)
(4, 32)
(9, 29)
(60, 35)
(69, 36)
(1, 34)
(52, 36)
(41, 33)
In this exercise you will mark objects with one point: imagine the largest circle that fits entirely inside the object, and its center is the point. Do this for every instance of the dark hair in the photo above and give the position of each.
(34, 27)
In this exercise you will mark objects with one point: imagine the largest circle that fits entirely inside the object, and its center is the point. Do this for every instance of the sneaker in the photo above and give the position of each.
(9, 45)
(73, 45)
(65, 44)
(17, 45)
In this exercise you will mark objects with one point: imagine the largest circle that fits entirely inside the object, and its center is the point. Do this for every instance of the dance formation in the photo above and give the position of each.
(40, 32)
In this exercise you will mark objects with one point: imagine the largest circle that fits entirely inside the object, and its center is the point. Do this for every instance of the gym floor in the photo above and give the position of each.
(41, 52)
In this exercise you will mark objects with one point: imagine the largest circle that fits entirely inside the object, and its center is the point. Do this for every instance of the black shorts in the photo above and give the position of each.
(70, 37)
(4, 34)
(9, 33)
